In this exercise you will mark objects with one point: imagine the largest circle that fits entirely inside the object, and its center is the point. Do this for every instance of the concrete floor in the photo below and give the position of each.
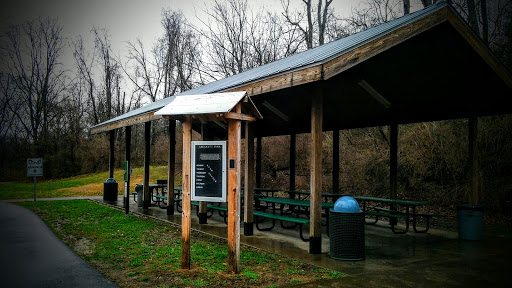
(434, 259)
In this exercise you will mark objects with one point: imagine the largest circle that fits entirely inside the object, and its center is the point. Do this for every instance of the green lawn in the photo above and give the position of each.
(143, 252)
(83, 185)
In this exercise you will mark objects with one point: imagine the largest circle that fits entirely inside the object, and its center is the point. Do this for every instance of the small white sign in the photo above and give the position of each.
(34, 167)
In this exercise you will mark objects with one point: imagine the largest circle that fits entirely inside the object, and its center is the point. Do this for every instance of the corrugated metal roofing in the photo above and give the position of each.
(308, 58)
(202, 104)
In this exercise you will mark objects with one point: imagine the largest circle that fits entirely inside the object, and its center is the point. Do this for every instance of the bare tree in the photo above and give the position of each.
(31, 58)
(313, 26)
(180, 47)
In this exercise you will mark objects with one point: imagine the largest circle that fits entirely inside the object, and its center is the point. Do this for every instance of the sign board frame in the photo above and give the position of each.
(206, 163)
(34, 167)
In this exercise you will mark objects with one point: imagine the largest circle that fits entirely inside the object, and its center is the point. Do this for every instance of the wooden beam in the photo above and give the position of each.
(171, 167)
(335, 161)
(203, 205)
(186, 206)
(473, 159)
(234, 155)
(293, 148)
(249, 180)
(315, 230)
(127, 150)
(476, 43)
(275, 111)
(139, 119)
(239, 116)
(375, 94)
(111, 162)
(147, 154)
(381, 44)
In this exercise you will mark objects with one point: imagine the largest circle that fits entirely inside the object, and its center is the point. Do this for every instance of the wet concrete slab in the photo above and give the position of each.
(433, 259)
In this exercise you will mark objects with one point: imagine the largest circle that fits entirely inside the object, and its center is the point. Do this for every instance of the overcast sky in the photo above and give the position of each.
(125, 19)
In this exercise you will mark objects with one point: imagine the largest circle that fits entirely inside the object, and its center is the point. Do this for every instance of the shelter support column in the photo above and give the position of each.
(335, 161)
(128, 147)
(249, 180)
(293, 145)
(473, 158)
(234, 162)
(315, 230)
(258, 162)
(111, 162)
(146, 201)
(186, 172)
(171, 167)
(203, 205)
(393, 166)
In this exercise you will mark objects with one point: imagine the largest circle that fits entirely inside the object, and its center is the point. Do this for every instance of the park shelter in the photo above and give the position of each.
(425, 66)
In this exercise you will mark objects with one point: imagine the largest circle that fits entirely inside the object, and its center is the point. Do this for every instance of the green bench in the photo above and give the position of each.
(274, 217)
(212, 207)
(393, 214)
(162, 199)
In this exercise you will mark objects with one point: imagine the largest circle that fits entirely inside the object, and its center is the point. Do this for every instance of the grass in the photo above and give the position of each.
(143, 252)
(83, 185)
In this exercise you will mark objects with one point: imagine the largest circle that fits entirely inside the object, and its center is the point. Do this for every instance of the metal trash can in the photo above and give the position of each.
(110, 190)
(346, 230)
(140, 190)
(469, 218)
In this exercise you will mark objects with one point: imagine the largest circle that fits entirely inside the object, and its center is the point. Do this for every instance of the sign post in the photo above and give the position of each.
(34, 169)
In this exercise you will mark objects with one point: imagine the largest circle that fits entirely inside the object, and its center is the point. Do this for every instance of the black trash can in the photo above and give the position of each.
(110, 190)
(140, 190)
(346, 231)
(469, 218)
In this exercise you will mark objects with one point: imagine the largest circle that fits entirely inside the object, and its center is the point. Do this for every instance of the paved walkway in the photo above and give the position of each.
(32, 256)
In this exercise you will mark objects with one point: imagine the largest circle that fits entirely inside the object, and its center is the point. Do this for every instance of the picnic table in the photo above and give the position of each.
(303, 195)
(159, 189)
(395, 209)
(296, 203)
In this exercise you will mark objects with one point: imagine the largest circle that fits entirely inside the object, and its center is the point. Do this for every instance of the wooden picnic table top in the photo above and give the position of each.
(391, 201)
(296, 202)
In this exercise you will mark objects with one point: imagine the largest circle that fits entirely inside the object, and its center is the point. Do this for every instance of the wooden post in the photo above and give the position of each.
(186, 172)
(249, 180)
(393, 159)
(234, 161)
(473, 158)
(128, 131)
(258, 162)
(111, 162)
(293, 146)
(203, 205)
(171, 167)
(335, 161)
(315, 230)
(393, 166)
(146, 201)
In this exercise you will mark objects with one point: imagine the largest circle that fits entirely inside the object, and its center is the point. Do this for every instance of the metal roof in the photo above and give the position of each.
(202, 104)
(308, 58)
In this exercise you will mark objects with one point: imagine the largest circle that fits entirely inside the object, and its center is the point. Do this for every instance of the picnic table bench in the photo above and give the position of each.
(223, 211)
(274, 217)
(407, 212)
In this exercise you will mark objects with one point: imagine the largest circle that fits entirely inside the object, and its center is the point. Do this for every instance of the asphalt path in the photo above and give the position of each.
(31, 255)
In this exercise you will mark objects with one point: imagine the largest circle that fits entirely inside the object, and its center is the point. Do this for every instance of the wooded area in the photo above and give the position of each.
(47, 108)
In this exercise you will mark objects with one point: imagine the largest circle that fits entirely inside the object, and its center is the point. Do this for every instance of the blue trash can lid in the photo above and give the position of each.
(346, 204)
(110, 180)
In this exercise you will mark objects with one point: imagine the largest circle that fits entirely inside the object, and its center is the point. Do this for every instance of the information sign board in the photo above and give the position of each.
(208, 171)
(34, 167)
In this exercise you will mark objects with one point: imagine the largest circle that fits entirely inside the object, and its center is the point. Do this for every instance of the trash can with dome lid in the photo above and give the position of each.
(110, 190)
(346, 230)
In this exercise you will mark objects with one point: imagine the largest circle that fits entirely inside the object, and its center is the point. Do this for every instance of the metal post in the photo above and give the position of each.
(35, 183)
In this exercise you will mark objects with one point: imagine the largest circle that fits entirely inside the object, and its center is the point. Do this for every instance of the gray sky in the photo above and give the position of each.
(125, 19)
